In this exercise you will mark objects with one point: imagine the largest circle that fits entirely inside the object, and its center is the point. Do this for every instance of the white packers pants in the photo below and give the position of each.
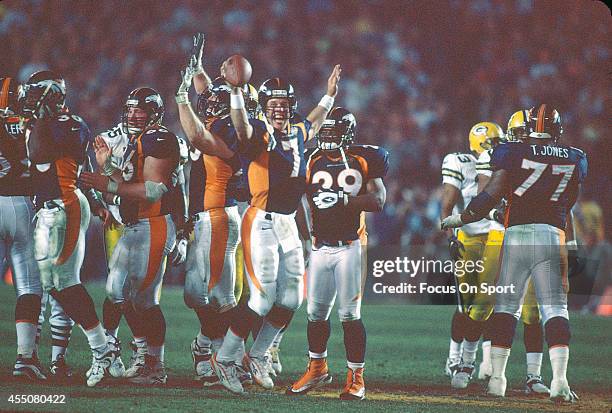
(17, 243)
(273, 260)
(59, 240)
(211, 259)
(139, 261)
(536, 252)
(335, 272)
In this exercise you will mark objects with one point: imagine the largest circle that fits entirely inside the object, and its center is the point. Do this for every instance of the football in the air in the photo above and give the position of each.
(237, 70)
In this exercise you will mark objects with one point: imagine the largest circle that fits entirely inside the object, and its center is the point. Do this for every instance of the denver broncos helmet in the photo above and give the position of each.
(277, 88)
(337, 130)
(44, 94)
(545, 122)
(215, 100)
(150, 101)
(485, 135)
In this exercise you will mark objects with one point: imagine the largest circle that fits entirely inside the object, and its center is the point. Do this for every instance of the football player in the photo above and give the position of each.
(532, 330)
(16, 229)
(213, 190)
(541, 180)
(57, 143)
(344, 181)
(468, 244)
(145, 186)
(275, 170)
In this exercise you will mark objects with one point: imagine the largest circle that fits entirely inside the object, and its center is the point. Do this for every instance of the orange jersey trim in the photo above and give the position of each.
(158, 233)
(219, 224)
(72, 208)
(247, 226)
(259, 178)
(218, 174)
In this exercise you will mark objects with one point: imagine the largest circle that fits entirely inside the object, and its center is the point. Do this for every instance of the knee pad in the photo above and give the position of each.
(259, 304)
(27, 308)
(350, 312)
(318, 311)
(551, 311)
(292, 294)
(557, 332)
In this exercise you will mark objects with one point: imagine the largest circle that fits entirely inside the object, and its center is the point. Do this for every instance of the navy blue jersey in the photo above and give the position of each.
(57, 179)
(363, 163)
(15, 178)
(156, 142)
(213, 180)
(275, 166)
(544, 181)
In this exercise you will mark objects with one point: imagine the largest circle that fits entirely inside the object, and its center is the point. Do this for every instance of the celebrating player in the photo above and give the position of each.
(272, 250)
(57, 140)
(211, 261)
(469, 244)
(145, 186)
(344, 181)
(541, 180)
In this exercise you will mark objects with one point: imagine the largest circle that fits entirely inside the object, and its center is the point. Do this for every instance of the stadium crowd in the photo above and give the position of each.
(417, 75)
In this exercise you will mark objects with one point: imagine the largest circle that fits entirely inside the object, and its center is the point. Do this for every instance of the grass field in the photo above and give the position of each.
(407, 348)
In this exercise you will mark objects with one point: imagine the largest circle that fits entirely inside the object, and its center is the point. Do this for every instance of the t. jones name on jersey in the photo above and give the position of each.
(550, 151)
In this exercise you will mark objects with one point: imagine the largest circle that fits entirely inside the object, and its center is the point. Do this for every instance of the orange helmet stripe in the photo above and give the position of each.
(540, 119)
(4, 92)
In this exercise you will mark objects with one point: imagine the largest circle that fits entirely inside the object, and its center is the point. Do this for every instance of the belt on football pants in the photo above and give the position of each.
(335, 243)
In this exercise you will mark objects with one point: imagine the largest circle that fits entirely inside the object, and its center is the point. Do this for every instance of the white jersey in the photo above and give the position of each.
(117, 140)
(483, 167)
(459, 170)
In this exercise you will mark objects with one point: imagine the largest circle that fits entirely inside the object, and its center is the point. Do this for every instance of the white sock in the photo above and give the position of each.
(354, 366)
(534, 363)
(317, 355)
(264, 340)
(232, 348)
(26, 338)
(140, 342)
(454, 352)
(559, 356)
(279, 337)
(96, 337)
(203, 341)
(499, 360)
(469, 351)
(217, 343)
(156, 351)
(486, 352)
(112, 331)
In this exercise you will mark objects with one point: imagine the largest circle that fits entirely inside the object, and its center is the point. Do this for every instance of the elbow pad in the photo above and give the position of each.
(480, 205)
(154, 190)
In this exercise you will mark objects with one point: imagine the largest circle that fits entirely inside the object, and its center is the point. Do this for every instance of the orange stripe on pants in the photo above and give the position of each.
(158, 233)
(219, 225)
(247, 224)
(72, 209)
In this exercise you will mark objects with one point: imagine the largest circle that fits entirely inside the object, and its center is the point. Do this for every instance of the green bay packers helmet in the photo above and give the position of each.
(519, 126)
(485, 135)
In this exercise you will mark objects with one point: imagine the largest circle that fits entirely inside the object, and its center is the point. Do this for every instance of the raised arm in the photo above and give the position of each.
(319, 113)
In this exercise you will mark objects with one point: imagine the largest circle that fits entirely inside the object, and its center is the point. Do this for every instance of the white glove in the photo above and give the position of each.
(182, 94)
(327, 199)
(179, 253)
(451, 221)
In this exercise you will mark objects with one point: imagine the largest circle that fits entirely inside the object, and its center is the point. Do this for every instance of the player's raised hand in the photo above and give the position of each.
(332, 82)
(182, 93)
(102, 150)
(197, 51)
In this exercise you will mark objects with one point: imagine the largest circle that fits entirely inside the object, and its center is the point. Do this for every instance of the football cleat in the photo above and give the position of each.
(485, 370)
(316, 375)
(228, 374)
(276, 363)
(462, 376)
(497, 386)
(153, 372)
(268, 360)
(100, 366)
(355, 386)
(137, 361)
(117, 368)
(201, 363)
(29, 368)
(243, 375)
(451, 366)
(59, 369)
(561, 392)
(258, 366)
(535, 385)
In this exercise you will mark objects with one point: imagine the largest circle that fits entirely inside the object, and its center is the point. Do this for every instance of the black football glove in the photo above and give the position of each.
(455, 247)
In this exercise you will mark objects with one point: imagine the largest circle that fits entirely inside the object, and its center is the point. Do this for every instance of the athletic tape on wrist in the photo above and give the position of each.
(236, 101)
(327, 102)
(112, 186)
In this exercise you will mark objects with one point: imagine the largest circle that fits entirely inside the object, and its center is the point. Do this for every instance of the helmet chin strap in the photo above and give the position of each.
(341, 149)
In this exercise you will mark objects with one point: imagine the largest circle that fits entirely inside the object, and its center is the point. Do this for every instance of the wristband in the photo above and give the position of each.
(236, 101)
(112, 186)
(108, 169)
(327, 102)
(182, 98)
(571, 245)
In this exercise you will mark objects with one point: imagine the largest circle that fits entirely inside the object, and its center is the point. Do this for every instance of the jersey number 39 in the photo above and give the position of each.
(349, 180)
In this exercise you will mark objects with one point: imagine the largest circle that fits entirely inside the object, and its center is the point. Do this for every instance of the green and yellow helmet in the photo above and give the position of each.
(485, 135)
